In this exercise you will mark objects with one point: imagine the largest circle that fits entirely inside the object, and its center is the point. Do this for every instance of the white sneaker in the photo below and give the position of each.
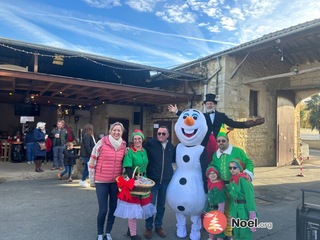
(83, 183)
(108, 236)
(100, 237)
(29, 162)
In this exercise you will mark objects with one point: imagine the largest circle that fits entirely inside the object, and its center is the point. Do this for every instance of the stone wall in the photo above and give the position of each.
(233, 99)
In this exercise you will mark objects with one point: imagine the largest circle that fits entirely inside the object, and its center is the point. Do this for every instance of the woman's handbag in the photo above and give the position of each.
(42, 146)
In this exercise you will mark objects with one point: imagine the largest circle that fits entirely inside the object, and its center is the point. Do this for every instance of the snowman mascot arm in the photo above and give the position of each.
(204, 166)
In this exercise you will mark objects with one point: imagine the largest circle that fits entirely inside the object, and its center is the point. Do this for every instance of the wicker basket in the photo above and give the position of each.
(142, 189)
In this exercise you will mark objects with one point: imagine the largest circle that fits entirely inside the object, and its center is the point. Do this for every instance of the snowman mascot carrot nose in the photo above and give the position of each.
(186, 193)
(188, 121)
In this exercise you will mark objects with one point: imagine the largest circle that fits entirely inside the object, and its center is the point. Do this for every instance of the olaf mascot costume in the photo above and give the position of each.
(186, 193)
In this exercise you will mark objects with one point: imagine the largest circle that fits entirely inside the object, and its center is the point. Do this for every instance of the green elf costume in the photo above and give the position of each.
(243, 206)
(221, 160)
(130, 206)
(216, 196)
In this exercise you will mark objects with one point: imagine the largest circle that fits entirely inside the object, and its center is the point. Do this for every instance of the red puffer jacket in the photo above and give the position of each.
(109, 161)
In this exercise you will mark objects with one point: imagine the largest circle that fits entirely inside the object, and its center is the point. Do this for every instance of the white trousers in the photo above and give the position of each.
(195, 227)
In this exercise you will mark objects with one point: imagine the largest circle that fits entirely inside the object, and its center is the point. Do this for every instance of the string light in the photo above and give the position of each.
(72, 56)
(55, 55)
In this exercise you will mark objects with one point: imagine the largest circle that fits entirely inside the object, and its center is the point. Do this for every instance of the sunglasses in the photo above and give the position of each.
(161, 133)
(234, 168)
(222, 140)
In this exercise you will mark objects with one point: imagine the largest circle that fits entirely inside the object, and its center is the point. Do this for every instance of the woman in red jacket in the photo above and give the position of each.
(105, 165)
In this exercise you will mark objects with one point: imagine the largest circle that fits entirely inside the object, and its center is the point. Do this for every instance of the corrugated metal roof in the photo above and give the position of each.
(259, 41)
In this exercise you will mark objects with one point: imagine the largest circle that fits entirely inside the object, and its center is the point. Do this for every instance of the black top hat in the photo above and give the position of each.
(210, 97)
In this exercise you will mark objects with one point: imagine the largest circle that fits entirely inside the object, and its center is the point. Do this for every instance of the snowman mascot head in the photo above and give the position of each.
(191, 127)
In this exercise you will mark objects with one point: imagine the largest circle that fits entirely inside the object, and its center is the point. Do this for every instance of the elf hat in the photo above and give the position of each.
(138, 132)
(238, 163)
(222, 132)
(210, 169)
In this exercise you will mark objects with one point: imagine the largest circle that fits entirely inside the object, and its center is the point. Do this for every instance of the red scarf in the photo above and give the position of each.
(219, 185)
(237, 177)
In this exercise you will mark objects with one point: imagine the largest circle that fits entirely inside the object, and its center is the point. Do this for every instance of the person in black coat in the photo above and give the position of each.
(87, 144)
(161, 154)
(214, 121)
(28, 144)
(69, 159)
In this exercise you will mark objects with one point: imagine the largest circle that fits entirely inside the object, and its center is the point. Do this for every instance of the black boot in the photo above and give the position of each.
(36, 163)
(39, 166)
(135, 237)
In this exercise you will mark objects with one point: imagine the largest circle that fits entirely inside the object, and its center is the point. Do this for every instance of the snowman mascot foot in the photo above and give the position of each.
(186, 193)
(181, 225)
(182, 229)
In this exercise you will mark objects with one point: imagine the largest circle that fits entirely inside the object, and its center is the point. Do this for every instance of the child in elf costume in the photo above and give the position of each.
(242, 206)
(216, 196)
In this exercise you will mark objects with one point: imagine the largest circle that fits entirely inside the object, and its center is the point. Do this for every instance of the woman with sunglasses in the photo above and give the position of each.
(242, 207)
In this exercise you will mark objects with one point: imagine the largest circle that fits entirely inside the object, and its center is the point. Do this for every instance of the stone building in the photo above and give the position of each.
(266, 77)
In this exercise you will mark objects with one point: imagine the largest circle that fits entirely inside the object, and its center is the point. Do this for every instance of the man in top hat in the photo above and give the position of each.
(214, 121)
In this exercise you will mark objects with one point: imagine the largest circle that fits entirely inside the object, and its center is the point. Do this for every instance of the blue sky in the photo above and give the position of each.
(158, 33)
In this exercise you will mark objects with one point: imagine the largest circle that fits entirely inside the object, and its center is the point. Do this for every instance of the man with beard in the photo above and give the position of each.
(214, 121)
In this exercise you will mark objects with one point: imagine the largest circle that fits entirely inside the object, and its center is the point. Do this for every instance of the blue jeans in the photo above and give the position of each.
(67, 169)
(85, 172)
(158, 192)
(29, 150)
(58, 156)
(105, 191)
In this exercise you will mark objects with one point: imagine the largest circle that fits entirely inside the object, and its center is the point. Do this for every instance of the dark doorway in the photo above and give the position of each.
(125, 123)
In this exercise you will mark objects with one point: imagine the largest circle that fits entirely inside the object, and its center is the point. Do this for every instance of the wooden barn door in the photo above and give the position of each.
(285, 127)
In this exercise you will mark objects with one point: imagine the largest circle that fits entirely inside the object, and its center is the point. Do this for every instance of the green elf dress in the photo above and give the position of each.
(135, 206)
(242, 204)
(216, 195)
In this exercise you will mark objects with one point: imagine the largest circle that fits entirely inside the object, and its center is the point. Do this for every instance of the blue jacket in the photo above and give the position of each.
(29, 137)
(38, 136)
